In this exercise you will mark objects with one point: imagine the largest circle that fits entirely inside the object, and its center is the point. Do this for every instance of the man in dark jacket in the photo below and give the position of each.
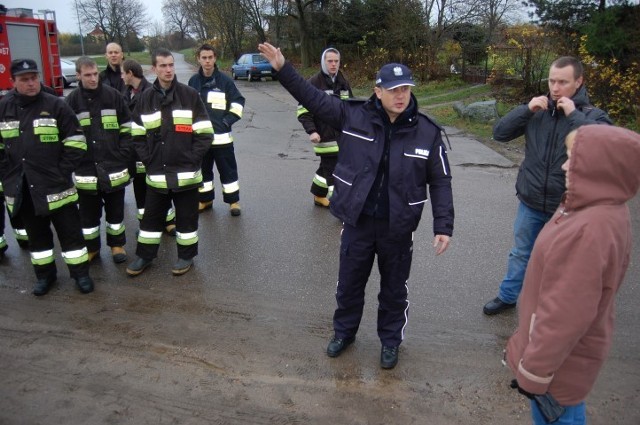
(111, 76)
(135, 85)
(224, 105)
(41, 144)
(331, 81)
(171, 132)
(545, 122)
(389, 154)
(103, 173)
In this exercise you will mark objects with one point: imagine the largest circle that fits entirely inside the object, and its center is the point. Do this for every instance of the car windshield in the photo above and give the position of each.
(259, 59)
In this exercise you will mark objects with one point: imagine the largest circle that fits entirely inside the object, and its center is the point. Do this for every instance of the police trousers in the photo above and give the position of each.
(359, 246)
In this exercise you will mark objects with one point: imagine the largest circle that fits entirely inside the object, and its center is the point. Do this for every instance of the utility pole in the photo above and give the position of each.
(79, 28)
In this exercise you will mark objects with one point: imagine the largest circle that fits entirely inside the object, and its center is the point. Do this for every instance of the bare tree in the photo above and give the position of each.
(298, 11)
(497, 13)
(254, 11)
(443, 16)
(177, 17)
(116, 18)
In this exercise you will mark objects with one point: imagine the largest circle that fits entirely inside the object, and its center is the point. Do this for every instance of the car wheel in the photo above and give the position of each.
(274, 78)
(65, 83)
(233, 74)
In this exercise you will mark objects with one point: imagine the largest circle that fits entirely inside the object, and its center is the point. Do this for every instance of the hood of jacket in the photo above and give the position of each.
(603, 168)
(323, 65)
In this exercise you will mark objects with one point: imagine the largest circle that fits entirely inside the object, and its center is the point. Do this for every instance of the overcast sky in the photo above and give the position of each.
(66, 13)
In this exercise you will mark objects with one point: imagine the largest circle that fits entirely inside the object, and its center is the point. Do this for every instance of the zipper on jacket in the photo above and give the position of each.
(551, 149)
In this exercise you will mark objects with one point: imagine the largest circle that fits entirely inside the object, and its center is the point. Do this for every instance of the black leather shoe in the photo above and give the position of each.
(337, 345)
(496, 306)
(43, 286)
(389, 357)
(181, 266)
(138, 266)
(84, 284)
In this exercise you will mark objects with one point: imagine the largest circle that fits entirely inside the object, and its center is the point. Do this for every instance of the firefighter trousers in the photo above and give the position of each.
(18, 228)
(153, 222)
(140, 193)
(66, 221)
(91, 205)
(359, 246)
(322, 184)
(224, 159)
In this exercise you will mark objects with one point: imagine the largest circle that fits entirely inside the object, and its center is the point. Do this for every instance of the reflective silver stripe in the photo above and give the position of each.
(139, 164)
(45, 122)
(116, 226)
(236, 108)
(55, 197)
(108, 112)
(231, 187)
(74, 254)
(83, 115)
(119, 174)
(444, 167)
(202, 125)
(42, 254)
(326, 144)
(418, 203)
(156, 116)
(86, 179)
(189, 235)
(90, 230)
(182, 113)
(9, 125)
(206, 187)
(150, 235)
(19, 232)
(359, 136)
(416, 156)
(141, 211)
(222, 138)
(188, 175)
(157, 178)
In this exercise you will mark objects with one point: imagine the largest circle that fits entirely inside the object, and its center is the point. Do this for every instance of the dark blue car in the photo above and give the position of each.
(252, 66)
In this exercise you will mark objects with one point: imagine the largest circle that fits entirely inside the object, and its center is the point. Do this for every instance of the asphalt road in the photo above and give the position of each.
(240, 339)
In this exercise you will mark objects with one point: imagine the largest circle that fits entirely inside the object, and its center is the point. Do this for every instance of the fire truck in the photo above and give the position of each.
(25, 34)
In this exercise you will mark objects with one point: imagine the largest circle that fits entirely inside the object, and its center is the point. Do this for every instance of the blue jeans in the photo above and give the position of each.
(527, 226)
(573, 415)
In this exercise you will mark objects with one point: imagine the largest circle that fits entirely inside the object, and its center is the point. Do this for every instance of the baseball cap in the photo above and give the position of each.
(394, 75)
(23, 66)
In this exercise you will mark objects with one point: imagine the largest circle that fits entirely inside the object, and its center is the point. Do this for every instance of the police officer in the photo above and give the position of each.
(136, 84)
(171, 132)
(224, 105)
(389, 154)
(331, 81)
(42, 144)
(103, 173)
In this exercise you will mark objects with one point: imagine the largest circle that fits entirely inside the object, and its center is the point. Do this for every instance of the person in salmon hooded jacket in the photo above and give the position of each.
(578, 263)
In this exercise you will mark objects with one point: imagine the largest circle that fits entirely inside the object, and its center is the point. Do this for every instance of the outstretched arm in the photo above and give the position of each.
(272, 54)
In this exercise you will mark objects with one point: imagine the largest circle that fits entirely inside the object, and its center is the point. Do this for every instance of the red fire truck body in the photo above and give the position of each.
(24, 34)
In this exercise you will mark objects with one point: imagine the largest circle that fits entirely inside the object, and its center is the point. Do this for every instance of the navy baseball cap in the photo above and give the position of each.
(394, 75)
(23, 66)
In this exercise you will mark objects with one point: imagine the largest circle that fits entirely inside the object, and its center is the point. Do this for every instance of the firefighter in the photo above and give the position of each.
(42, 144)
(172, 133)
(224, 104)
(103, 173)
(111, 76)
(324, 137)
(135, 84)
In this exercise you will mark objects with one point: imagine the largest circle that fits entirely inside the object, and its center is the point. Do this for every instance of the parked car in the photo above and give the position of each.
(68, 72)
(252, 66)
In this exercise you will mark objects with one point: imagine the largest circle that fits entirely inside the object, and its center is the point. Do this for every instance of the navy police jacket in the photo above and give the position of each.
(417, 159)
